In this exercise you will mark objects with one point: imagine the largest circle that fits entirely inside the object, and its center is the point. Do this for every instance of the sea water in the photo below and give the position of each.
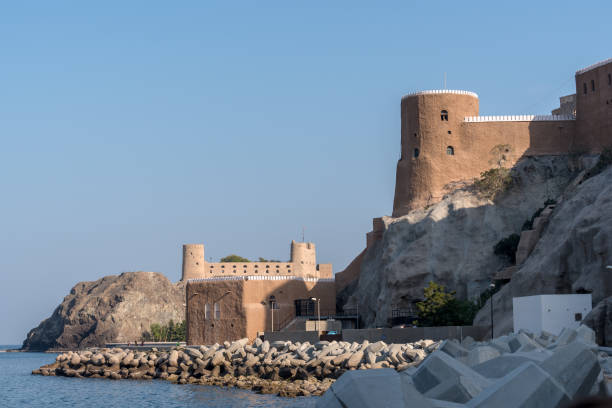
(19, 388)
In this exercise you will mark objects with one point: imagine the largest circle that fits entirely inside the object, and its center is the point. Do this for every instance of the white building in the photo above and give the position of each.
(550, 313)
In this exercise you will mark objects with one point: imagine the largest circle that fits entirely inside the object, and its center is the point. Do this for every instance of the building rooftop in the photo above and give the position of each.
(596, 65)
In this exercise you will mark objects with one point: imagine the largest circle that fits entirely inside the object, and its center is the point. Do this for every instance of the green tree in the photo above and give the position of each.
(267, 260)
(234, 258)
(166, 332)
(440, 308)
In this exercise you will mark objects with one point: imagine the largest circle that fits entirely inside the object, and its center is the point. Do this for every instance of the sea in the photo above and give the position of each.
(19, 388)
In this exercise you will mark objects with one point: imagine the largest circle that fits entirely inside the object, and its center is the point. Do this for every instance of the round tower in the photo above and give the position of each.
(193, 261)
(433, 150)
(304, 258)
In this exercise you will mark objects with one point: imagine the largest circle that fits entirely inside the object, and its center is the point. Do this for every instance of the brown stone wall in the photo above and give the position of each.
(244, 306)
(352, 272)
(594, 107)
(232, 323)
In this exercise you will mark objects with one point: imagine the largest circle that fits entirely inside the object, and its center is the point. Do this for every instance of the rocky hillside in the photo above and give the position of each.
(571, 255)
(452, 242)
(112, 309)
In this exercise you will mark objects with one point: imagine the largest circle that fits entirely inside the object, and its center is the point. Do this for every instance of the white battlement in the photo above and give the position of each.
(441, 91)
(518, 118)
(251, 277)
(596, 65)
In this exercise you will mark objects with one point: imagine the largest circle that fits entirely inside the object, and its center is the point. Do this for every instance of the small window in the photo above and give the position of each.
(450, 150)
(592, 85)
(217, 312)
(449, 132)
(415, 133)
(578, 317)
(609, 79)
(206, 311)
(444, 115)
(416, 153)
(584, 87)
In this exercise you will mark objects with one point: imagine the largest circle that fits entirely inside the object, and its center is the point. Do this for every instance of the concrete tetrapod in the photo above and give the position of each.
(528, 386)
(380, 388)
(575, 366)
(440, 367)
(502, 365)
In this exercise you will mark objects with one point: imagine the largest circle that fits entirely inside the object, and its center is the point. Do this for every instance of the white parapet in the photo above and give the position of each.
(596, 65)
(441, 91)
(519, 118)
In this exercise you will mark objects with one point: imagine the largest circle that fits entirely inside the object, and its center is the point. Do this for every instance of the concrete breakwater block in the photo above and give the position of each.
(526, 386)
(440, 367)
(518, 370)
(380, 388)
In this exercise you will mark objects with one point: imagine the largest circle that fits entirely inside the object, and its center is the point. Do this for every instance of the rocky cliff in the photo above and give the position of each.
(112, 309)
(571, 255)
(452, 241)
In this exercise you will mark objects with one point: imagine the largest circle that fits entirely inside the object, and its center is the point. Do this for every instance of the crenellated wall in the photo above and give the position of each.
(303, 263)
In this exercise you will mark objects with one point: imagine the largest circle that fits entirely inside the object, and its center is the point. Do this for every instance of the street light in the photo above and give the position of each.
(492, 287)
(318, 312)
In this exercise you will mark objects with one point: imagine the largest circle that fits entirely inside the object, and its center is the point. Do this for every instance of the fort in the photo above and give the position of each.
(233, 300)
(444, 140)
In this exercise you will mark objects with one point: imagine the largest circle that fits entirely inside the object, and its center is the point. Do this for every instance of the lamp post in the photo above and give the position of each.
(272, 305)
(318, 312)
(492, 287)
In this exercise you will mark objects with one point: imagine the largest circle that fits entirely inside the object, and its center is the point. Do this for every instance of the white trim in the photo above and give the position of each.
(592, 67)
(258, 277)
(519, 118)
(441, 91)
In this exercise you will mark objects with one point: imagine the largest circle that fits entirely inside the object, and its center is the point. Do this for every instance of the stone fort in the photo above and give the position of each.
(233, 300)
(444, 140)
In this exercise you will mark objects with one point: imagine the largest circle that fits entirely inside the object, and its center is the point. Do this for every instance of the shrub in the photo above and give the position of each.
(493, 182)
(440, 308)
(168, 332)
(234, 258)
(506, 247)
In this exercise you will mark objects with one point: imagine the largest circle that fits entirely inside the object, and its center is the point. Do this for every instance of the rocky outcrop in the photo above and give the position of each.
(521, 370)
(112, 309)
(600, 320)
(571, 255)
(279, 367)
(452, 241)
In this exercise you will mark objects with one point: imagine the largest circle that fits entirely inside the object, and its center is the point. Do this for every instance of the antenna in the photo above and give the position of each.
(445, 80)
(303, 234)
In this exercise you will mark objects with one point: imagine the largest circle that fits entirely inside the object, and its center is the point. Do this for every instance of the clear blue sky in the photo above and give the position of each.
(129, 128)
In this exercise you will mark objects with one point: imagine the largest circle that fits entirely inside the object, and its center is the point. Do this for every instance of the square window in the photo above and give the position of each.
(578, 317)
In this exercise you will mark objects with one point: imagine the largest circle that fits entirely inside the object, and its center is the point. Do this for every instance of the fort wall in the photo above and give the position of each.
(244, 306)
(594, 106)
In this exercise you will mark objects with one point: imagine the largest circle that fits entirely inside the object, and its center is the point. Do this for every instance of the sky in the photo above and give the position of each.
(130, 128)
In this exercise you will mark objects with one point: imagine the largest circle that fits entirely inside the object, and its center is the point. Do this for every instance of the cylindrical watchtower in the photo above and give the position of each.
(433, 149)
(304, 258)
(193, 261)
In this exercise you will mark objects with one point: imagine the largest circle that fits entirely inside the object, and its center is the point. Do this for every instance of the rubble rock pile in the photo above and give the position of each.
(519, 370)
(280, 367)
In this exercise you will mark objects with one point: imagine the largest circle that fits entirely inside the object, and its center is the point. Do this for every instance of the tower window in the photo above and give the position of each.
(415, 133)
(416, 153)
(609, 79)
(584, 88)
(206, 311)
(444, 115)
(449, 132)
(450, 150)
(217, 311)
(592, 84)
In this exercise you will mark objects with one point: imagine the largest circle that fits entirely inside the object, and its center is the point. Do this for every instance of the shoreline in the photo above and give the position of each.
(283, 368)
